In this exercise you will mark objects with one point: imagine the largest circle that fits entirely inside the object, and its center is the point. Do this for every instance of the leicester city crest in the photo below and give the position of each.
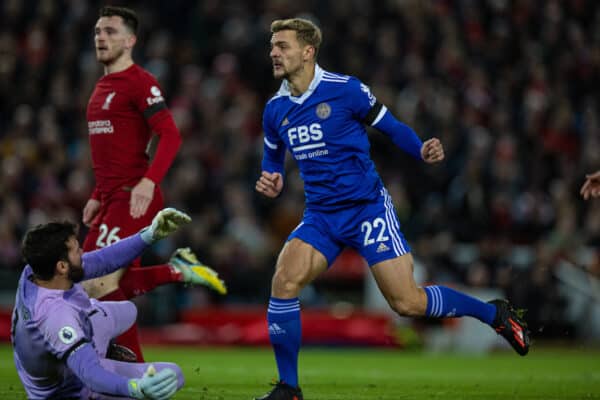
(323, 110)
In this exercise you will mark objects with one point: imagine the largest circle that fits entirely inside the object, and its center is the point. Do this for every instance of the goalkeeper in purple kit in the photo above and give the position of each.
(61, 336)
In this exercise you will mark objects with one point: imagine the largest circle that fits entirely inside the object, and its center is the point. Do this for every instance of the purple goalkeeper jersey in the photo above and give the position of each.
(47, 324)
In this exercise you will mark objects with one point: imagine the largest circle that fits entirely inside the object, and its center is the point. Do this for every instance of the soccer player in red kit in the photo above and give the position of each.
(126, 108)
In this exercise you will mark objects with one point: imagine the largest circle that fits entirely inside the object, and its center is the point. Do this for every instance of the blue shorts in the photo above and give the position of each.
(371, 228)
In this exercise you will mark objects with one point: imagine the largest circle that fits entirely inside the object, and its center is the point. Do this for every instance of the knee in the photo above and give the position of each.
(408, 306)
(130, 310)
(286, 285)
(123, 313)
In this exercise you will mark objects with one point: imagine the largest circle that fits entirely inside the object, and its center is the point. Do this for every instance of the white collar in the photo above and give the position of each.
(284, 89)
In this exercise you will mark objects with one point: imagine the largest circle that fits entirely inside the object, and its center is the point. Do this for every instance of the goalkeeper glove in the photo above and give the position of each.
(156, 386)
(167, 221)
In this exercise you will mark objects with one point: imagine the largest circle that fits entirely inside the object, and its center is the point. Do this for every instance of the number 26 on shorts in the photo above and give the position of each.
(107, 236)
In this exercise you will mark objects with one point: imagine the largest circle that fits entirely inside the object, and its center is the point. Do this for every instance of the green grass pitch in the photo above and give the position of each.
(357, 374)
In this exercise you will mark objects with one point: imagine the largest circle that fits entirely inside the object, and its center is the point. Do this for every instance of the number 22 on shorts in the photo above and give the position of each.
(377, 227)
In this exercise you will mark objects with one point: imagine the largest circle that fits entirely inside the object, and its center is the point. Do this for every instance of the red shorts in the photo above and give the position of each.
(113, 221)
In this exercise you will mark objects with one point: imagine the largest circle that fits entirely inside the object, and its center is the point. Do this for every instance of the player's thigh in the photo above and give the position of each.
(374, 230)
(309, 249)
(298, 264)
(109, 320)
(315, 231)
(395, 279)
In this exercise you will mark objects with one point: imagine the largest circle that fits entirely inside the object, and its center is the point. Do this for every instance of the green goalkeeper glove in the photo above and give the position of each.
(154, 385)
(167, 221)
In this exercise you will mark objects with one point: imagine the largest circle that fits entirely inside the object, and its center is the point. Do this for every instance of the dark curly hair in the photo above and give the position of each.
(45, 245)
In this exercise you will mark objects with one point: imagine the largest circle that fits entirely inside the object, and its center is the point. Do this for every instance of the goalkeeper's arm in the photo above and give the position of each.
(85, 363)
(110, 258)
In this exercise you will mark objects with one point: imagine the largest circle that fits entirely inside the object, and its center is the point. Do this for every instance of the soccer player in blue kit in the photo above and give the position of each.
(319, 116)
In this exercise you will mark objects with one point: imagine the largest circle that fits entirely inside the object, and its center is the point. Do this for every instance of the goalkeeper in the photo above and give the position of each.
(61, 336)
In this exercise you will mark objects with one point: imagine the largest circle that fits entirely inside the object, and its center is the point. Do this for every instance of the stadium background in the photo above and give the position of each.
(510, 87)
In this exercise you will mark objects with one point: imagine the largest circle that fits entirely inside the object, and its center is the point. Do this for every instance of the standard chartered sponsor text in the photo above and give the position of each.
(100, 126)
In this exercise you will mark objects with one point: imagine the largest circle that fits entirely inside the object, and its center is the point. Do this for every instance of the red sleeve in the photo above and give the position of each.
(146, 94)
(150, 102)
(168, 144)
(95, 194)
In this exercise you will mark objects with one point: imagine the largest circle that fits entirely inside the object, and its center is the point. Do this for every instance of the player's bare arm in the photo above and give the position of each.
(270, 184)
(591, 186)
(90, 210)
(141, 197)
(432, 151)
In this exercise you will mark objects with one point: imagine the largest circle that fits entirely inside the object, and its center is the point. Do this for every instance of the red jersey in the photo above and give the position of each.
(124, 110)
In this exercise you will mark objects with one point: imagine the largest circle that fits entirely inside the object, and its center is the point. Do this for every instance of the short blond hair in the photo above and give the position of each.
(306, 31)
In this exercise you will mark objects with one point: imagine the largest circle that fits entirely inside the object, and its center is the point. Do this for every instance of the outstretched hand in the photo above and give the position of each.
(432, 151)
(154, 385)
(270, 184)
(167, 221)
(591, 186)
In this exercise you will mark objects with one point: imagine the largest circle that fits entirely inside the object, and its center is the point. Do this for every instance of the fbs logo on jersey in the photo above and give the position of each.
(109, 98)
(156, 96)
(303, 134)
(67, 334)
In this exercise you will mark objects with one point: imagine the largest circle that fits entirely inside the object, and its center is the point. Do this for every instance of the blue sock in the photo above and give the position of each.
(445, 302)
(285, 332)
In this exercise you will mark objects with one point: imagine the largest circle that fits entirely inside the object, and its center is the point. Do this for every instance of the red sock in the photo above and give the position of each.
(130, 338)
(139, 280)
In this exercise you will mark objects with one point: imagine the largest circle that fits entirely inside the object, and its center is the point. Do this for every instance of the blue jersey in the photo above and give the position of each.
(324, 131)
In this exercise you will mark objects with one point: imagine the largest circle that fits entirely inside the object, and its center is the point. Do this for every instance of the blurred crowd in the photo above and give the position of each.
(509, 87)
